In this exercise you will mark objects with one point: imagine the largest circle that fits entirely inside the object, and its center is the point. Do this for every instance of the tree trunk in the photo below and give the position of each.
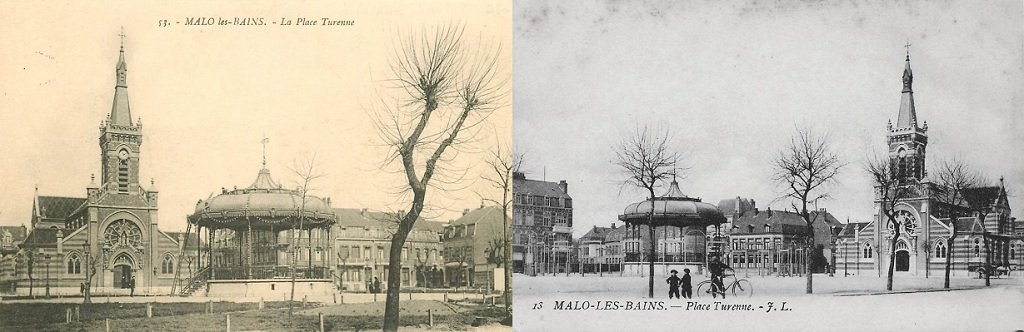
(650, 231)
(391, 305)
(988, 259)
(892, 254)
(809, 246)
(949, 255)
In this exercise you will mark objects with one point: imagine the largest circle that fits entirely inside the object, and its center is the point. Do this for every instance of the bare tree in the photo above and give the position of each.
(891, 187)
(306, 172)
(647, 159)
(447, 90)
(802, 168)
(953, 178)
(501, 165)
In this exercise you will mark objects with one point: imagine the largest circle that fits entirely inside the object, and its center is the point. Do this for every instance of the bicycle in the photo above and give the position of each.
(739, 287)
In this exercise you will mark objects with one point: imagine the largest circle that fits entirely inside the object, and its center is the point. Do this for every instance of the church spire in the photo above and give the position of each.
(908, 115)
(120, 113)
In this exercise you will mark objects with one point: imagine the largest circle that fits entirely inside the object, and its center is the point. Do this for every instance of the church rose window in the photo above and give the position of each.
(123, 233)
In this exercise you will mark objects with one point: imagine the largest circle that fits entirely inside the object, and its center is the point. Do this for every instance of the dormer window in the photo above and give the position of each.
(767, 228)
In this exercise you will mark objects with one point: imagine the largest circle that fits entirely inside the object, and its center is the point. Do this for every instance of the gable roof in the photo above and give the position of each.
(983, 197)
(41, 238)
(349, 217)
(535, 187)
(781, 221)
(57, 207)
(851, 229)
(596, 233)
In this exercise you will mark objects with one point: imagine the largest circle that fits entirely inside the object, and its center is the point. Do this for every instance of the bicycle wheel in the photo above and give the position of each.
(743, 287)
(704, 289)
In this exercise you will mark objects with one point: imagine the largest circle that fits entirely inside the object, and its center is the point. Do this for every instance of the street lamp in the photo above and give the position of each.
(47, 261)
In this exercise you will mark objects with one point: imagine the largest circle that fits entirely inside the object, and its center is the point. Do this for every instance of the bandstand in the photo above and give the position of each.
(259, 236)
(679, 222)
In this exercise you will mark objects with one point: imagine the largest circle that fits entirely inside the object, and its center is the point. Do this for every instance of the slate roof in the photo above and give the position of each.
(348, 217)
(484, 215)
(851, 229)
(981, 197)
(535, 187)
(56, 207)
(596, 233)
(190, 239)
(41, 238)
(776, 218)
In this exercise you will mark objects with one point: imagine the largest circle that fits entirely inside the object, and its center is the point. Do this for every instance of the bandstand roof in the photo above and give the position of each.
(673, 209)
(264, 204)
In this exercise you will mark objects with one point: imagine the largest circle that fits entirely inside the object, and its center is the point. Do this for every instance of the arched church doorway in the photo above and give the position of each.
(902, 261)
(122, 271)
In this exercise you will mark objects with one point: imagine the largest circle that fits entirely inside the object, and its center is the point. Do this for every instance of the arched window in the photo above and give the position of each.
(867, 250)
(767, 228)
(977, 248)
(1012, 254)
(940, 249)
(902, 246)
(167, 267)
(74, 264)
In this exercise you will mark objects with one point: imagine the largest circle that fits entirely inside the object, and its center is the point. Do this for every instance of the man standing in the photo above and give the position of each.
(131, 285)
(673, 284)
(687, 286)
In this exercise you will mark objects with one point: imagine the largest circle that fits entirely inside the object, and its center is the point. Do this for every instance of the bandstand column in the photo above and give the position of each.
(248, 244)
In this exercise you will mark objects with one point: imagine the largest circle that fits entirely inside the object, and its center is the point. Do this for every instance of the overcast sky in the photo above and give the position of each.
(733, 81)
(208, 95)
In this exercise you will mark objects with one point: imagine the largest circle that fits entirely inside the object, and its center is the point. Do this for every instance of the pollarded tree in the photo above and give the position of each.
(647, 159)
(952, 179)
(891, 187)
(803, 168)
(447, 87)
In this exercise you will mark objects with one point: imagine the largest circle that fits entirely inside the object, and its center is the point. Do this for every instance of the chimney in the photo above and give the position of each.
(564, 186)
(362, 212)
(465, 211)
(753, 205)
(518, 176)
(481, 203)
(613, 225)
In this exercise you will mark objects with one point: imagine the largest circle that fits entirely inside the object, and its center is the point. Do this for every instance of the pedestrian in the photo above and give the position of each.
(687, 287)
(131, 285)
(81, 288)
(673, 284)
(376, 285)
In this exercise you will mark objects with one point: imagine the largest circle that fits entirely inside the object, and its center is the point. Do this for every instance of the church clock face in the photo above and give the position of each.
(123, 154)
(906, 218)
(122, 233)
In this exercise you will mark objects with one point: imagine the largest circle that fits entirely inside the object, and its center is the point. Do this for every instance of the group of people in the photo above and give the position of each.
(715, 267)
(374, 287)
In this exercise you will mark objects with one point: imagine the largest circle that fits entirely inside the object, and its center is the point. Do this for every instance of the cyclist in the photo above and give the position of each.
(717, 270)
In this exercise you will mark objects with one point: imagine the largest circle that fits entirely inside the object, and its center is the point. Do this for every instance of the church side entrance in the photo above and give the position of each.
(902, 263)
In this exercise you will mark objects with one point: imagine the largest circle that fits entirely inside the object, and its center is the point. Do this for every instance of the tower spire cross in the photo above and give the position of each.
(122, 37)
(264, 142)
(907, 46)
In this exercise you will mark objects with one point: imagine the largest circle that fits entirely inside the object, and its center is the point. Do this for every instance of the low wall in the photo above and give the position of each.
(661, 268)
(268, 288)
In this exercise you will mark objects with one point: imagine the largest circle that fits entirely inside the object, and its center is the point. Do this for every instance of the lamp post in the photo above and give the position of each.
(47, 262)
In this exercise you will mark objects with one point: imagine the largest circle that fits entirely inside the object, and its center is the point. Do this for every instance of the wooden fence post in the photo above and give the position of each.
(430, 316)
(108, 324)
(149, 310)
(68, 316)
(321, 321)
(228, 318)
(78, 313)
(261, 303)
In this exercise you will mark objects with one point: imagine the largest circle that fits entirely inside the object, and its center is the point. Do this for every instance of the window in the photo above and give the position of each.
(767, 228)
(940, 249)
(867, 250)
(74, 264)
(405, 254)
(1012, 254)
(167, 267)
(750, 228)
(977, 248)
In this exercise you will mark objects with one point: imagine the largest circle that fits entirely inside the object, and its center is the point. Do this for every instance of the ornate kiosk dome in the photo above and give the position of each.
(673, 209)
(264, 199)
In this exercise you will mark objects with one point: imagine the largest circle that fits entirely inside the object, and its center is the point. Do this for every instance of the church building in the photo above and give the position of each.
(113, 230)
(927, 221)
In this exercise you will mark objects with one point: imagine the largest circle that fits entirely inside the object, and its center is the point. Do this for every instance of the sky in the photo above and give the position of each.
(732, 82)
(207, 95)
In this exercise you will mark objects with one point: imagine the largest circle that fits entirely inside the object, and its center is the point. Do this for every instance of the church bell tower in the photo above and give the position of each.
(120, 139)
(907, 140)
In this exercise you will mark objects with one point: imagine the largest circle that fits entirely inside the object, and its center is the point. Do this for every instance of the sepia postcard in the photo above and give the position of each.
(263, 165)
